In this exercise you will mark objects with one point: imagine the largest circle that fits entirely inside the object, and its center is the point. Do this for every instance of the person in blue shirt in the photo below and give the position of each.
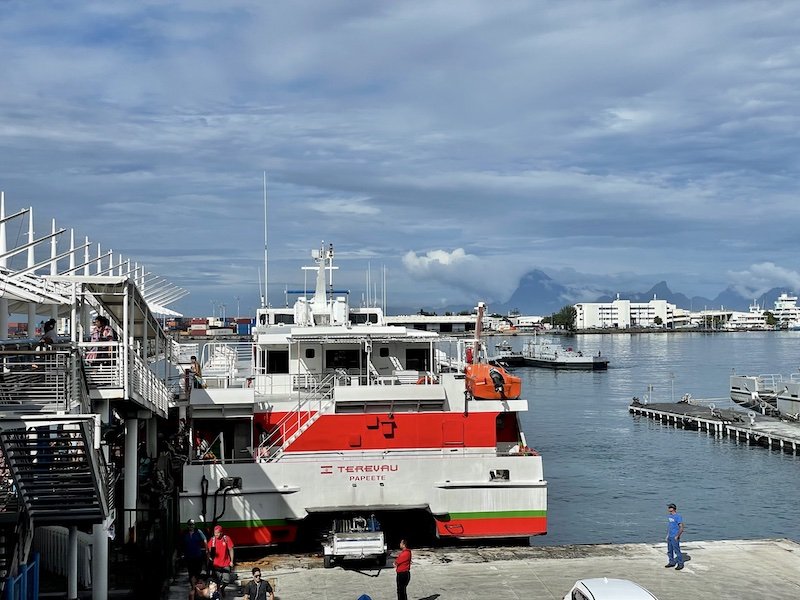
(674, 532)
(193, 545)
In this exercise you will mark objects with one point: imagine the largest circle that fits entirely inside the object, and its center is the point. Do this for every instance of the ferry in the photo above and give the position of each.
(537, 353)
(330, 412)
(763, 392)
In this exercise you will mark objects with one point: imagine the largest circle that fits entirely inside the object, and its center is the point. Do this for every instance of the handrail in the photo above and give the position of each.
(97, 460)
(295, 422)
(103, 364)
(227, 361)
(182, 352)
(38, 381)
(148, 385)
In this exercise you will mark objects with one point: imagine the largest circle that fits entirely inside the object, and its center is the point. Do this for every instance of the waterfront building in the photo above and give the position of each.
(624, 314)
(786, 311)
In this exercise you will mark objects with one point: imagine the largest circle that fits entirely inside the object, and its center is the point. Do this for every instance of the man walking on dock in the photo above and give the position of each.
(674, 531)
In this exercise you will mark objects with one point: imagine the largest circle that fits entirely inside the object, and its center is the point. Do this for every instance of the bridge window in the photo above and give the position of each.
(342, 359)
(417, 359)
(277, 361)
(383, 352)
(310, 353)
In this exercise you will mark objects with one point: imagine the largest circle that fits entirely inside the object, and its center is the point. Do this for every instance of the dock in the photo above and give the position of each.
(742, 426)
(731, 569)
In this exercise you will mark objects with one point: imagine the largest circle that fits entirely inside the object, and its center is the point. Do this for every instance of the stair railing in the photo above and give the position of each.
(97, 462)
(313, 402)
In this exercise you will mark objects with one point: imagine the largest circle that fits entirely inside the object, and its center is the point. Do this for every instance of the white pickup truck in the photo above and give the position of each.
(354, 539)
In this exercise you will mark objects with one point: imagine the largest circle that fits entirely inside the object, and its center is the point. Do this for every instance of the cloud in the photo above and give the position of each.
(762, 277)
(630, 142)
(478, 278)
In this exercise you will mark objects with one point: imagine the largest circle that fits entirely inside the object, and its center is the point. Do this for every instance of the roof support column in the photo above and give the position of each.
(54, 265)
(99, 531)
(144, 333)
(31, 263)
(127, 344)
(3, 250)
(72, 563)
(131, 478)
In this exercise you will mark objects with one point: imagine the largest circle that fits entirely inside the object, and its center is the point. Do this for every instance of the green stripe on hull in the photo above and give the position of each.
(503, 514)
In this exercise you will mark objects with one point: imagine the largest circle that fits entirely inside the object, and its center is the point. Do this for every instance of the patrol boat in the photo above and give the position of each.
(330, 413)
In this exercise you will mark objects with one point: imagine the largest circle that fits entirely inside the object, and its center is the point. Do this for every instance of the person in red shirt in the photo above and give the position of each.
(402, 564)
(220, 551)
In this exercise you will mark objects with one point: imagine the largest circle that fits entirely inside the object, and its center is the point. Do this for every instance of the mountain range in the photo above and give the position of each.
(539, 294)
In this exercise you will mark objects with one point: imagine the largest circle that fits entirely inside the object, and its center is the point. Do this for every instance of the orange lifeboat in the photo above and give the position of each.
(491, 382)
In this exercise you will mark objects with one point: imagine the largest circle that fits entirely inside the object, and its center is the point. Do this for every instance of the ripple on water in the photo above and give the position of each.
(610, 474)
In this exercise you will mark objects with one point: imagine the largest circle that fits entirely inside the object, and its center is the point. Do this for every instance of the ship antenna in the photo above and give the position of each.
(260, 290)
(265, 300)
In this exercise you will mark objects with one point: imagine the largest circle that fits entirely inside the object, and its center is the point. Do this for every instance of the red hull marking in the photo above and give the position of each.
(413, 430)
(262, 535)
(488, 527)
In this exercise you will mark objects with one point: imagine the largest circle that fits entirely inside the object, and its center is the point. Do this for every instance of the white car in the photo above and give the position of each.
(608, 589)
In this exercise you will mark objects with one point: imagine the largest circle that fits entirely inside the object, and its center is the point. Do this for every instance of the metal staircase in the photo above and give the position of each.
(58, 474)
(315, 402)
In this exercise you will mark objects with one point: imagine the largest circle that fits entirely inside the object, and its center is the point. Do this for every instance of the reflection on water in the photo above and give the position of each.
(611, 475)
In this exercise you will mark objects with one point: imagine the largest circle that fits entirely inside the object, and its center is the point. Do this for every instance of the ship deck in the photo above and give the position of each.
(732, 569)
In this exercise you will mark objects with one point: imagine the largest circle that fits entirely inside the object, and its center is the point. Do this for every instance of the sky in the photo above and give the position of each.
(455, 145)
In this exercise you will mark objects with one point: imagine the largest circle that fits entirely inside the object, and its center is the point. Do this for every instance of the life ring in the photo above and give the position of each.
(426, 379)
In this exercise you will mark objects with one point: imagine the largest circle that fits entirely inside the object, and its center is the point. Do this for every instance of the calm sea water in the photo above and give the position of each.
(610, 474)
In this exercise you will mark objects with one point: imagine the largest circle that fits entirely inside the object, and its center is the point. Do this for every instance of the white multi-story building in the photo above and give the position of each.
(623, 314)
(786, 311)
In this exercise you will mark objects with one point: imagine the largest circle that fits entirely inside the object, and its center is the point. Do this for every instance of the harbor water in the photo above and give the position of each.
(610, 474)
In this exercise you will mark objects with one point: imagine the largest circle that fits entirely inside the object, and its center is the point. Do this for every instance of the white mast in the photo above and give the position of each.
(265, 302)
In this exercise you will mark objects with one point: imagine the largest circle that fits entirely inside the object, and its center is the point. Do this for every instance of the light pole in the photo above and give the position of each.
(237, 307)
(672, 385)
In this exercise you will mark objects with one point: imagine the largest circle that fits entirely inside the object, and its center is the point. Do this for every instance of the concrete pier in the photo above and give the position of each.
(719, 569)
(747, 426)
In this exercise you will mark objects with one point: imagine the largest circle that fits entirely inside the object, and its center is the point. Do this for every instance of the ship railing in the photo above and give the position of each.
(770, 381)
(182, 352)
(311, 404)
(227, 364)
